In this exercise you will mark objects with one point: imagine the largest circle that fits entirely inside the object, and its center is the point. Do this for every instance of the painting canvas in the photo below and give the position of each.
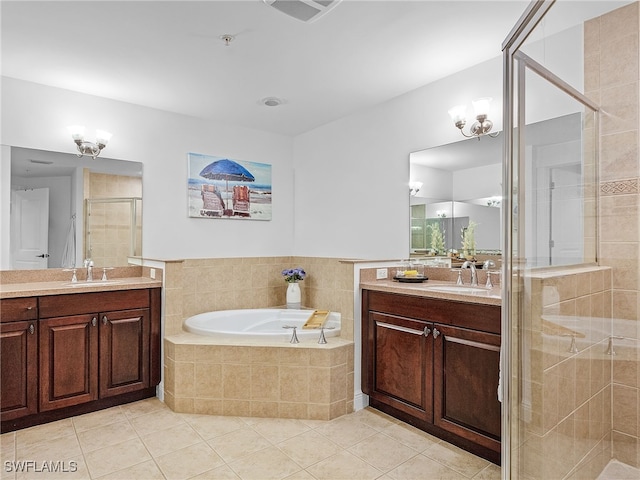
(221, 187)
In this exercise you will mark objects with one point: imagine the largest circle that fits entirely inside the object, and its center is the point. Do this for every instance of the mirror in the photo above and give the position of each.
(460, 193)
(66, 208)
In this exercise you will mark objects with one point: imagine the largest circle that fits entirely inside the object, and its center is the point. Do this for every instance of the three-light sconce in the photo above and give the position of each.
(85, 147)
(482, 125)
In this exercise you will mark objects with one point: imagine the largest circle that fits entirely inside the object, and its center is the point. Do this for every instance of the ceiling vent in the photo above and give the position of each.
(304, 10)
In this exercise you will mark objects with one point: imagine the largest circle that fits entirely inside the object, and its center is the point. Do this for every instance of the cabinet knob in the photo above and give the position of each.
(32, 329)
(104, 320)
(436, 333)
(94, 321)
(29, 308)
(426, 331)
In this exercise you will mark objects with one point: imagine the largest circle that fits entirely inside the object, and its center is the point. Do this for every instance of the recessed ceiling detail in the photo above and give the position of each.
(271, 101)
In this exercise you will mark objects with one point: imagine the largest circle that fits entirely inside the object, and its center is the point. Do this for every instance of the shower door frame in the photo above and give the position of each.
(512, 241)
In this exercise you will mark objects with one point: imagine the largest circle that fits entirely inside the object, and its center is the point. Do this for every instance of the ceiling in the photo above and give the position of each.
(169, 55)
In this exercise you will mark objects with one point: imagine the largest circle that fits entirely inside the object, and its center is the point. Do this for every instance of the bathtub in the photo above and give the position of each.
(260, 324)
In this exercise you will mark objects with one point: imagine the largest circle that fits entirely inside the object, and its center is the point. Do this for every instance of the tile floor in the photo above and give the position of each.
(146, 440)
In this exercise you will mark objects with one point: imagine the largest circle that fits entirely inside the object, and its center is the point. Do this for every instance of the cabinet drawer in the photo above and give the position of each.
(17, 309)
(83, 303)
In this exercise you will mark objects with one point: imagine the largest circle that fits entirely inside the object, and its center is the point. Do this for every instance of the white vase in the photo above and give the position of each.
(293, 295)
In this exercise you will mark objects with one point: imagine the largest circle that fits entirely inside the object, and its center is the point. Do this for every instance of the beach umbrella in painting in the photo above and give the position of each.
(227, 170)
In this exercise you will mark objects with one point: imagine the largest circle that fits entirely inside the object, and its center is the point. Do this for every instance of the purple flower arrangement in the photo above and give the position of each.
(293, 275)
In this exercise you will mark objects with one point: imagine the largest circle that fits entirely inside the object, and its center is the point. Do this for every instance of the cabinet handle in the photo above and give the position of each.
(426, 331)
(104, 320)
(94, 321)
(32, 329)
(29, 308)
(436, 332)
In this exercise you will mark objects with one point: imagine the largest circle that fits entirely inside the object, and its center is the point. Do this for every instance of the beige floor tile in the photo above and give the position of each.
(267, 464)
(308, 448)
(143, 407)
(491, 472)
(189, 461)
(375, 418)
(171, 439)
(44, 433)
(343, 466)
(346, 431)
(155, 421)
(456, 458)
(98, 419)
(423, 468)
(72, 468)
(60, 449)
(106, 435)
(301, 475)
(143, 471)
(221, 473)
(382, 452)
(116, 457)
(209, 426)
(277, 430)
(411, 436)
(239, 443)
(7, 447)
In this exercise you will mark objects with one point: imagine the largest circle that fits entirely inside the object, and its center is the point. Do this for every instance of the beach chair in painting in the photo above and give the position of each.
(212, 203)
(241, 202)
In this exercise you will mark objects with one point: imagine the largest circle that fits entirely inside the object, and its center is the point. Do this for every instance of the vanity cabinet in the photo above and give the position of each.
(18, 357)
(90, 351)
(435, 364)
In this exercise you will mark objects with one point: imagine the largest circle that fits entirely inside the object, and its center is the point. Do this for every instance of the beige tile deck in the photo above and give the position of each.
(145, 440)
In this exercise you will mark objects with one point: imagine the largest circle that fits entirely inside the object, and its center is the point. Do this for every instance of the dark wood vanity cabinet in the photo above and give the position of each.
(18, 357)
(435, 364)
(93, 350)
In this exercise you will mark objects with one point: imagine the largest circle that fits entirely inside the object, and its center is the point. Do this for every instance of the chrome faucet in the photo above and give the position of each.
(474, 273)
(88, 263)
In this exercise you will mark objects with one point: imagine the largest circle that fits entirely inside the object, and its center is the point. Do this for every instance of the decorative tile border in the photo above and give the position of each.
(620, 187)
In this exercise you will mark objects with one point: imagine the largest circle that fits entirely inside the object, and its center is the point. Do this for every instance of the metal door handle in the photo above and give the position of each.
(94, 321)
(32, 329)
(104, 320)
(426, 331)
(44, 255)
(436, 332)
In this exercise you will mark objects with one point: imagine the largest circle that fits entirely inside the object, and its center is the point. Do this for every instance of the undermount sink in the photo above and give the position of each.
(97, 283)
(460, 289)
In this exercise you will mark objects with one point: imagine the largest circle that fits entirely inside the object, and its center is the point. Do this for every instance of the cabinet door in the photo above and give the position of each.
(124, 351)
(402, 364)
(466, 371)
(68, 361)
(19, 361)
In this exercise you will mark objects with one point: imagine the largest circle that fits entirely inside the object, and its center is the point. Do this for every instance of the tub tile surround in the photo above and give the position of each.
(612, 78)
(304, 381)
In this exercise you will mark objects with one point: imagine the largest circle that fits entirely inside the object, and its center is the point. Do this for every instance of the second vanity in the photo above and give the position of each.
(70, 349)
(431, 357)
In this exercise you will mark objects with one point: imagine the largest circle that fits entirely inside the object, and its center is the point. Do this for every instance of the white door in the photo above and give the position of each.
(30, 229)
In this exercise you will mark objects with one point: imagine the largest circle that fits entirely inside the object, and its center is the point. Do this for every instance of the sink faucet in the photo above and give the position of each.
(88, 263)
(474, 273)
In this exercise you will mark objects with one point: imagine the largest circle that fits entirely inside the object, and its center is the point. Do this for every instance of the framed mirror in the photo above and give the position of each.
(66, 208)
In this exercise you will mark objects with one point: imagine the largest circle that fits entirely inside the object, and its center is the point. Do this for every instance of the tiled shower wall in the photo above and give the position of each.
(202, 285)
(612, 79)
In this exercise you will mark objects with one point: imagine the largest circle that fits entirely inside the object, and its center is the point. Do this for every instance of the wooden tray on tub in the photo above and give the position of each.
(317, 319)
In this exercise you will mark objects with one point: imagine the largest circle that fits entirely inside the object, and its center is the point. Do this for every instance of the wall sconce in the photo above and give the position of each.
(414, 188)
(482, 125)
(89, 148)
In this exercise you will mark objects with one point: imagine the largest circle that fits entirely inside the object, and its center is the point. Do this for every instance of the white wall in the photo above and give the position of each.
(36, 116)
(352, 175)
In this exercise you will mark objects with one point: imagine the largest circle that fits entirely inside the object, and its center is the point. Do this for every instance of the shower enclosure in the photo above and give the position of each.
(571, 291)
(113, 230)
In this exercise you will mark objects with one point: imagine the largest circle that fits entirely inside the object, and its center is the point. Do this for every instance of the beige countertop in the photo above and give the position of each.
(38, 289)
(481, 295)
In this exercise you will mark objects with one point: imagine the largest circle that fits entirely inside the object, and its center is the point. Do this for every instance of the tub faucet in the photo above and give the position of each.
(474, 274)
(88, 263)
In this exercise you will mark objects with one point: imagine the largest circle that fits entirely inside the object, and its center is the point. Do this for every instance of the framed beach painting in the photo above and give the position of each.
(220, 187)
